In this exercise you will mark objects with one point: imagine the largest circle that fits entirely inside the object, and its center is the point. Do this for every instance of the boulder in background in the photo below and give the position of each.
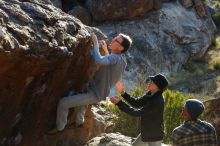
(82, 14)
(103, 10)
(164, 40)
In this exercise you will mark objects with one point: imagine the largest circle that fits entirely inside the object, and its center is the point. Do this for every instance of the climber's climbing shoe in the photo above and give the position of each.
(73, 125)
(53, 131)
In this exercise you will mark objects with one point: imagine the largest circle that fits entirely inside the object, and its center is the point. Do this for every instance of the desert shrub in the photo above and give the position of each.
(124, 123)
(217, 42)
(216, 65)
(174, 102)
(216, 18)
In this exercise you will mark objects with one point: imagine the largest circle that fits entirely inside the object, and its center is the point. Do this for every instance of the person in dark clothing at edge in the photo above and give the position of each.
(150, 108)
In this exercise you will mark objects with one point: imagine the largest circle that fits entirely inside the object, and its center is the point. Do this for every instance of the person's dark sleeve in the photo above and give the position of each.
(136, 112)
(135, 102)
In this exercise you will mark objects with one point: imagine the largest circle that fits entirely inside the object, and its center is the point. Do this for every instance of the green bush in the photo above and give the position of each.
(217, 42)
(216, 65)
(215, 4)
(130, 126)
(216, 18)
(174, 102)
(124, 123)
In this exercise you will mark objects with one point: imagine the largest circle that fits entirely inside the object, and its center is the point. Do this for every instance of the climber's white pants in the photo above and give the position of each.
(79, 102)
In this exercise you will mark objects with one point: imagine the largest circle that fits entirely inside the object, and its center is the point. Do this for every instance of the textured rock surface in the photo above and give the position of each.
(37, 1)
(187, 3)
(198, 4)
(200, 8)
(112, 139)
(103, 10)
(164, 40)
(44, 53)
(82, 14)
(212, 112)
(158, 4)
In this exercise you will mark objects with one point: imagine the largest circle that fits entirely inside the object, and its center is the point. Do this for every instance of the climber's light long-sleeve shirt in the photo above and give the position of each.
(109, 73)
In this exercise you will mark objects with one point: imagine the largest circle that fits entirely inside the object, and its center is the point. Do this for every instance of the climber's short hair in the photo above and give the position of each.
(126, 43)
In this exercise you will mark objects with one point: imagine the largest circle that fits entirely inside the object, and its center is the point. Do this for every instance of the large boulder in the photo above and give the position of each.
(82, 14)
(103, 10)
(164, 40)
(187, 3)
(38, 1)
(44, 54)
(112, 139)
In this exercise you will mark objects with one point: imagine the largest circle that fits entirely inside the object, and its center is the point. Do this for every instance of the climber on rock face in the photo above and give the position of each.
(111, 68)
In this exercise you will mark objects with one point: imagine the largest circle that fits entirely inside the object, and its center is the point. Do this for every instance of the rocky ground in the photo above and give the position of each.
(112, 139)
